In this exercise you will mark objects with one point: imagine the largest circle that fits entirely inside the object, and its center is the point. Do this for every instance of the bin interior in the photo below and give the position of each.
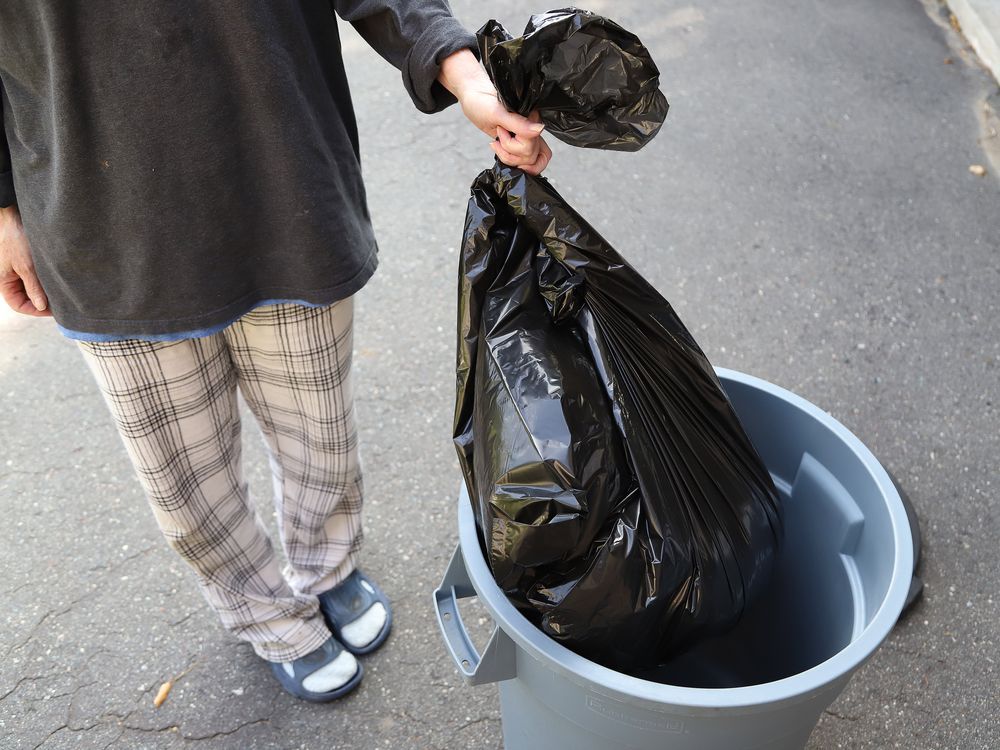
(834, 568)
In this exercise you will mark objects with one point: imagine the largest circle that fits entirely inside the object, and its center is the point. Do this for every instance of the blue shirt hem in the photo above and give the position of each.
(179, 335)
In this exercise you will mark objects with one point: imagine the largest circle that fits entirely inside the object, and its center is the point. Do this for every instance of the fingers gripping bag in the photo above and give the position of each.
(621, 506)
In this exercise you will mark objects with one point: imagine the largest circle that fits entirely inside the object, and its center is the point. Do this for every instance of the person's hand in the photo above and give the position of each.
(517, 140)
(19, 285)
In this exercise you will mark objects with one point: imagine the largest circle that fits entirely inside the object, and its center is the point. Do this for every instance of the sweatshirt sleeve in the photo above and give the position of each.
(414, 36)
(7, 196)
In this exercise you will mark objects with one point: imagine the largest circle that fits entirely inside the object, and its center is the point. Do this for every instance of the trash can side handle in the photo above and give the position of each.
(499, 659)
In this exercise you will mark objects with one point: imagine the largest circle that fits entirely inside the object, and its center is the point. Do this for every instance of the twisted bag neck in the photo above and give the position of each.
(593, 83)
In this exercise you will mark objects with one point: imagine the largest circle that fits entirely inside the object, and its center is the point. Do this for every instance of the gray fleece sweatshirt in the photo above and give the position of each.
(176, 163)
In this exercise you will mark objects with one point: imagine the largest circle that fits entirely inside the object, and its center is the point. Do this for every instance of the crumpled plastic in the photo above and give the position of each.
(621, 505)
(593, 83)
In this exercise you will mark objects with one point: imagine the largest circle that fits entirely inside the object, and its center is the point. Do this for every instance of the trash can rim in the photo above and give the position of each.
(792, 689)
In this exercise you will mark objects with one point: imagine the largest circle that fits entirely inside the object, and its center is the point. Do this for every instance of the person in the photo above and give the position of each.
(181, 191)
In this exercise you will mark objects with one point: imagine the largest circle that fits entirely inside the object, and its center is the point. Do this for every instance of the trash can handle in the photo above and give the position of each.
(498, 661)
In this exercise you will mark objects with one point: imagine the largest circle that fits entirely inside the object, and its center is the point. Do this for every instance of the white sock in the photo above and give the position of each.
(330, 676)
(362, 631)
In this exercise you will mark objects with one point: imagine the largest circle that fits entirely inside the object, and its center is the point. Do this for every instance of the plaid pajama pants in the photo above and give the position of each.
(175, 406)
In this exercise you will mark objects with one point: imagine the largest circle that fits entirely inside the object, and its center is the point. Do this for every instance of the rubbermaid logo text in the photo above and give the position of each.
(616, 712)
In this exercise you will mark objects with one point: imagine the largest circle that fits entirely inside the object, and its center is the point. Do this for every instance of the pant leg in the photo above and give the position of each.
(175, 407)
(294, 369)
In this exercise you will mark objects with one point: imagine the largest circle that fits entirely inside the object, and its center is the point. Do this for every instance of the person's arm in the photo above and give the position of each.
(434, 53)
(414, 36)
(19, 285)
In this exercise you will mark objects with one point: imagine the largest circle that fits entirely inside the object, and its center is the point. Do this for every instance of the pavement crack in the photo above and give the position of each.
(226, 733)
(18, 588)
(152, 730)
(472, 722)
(114, 740)
(94, 654)
(140, 553)
(21, 681)
(51, 614)
(913, 652)
(405, 714)
(836, 715)
(69, 707)
(185, 618)
(47, 737)
(31, 634)
(110, 566)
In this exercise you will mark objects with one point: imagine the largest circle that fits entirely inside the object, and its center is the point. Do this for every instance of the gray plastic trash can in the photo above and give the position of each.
(840, 585)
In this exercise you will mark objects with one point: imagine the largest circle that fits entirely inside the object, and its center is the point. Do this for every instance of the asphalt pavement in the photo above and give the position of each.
(809, 210)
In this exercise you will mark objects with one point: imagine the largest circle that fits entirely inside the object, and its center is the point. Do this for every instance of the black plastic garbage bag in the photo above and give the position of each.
(593, 83)
(621, 505)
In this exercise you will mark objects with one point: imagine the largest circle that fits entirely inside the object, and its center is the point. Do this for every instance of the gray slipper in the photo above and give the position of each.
(350, 599)
(305, 665)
